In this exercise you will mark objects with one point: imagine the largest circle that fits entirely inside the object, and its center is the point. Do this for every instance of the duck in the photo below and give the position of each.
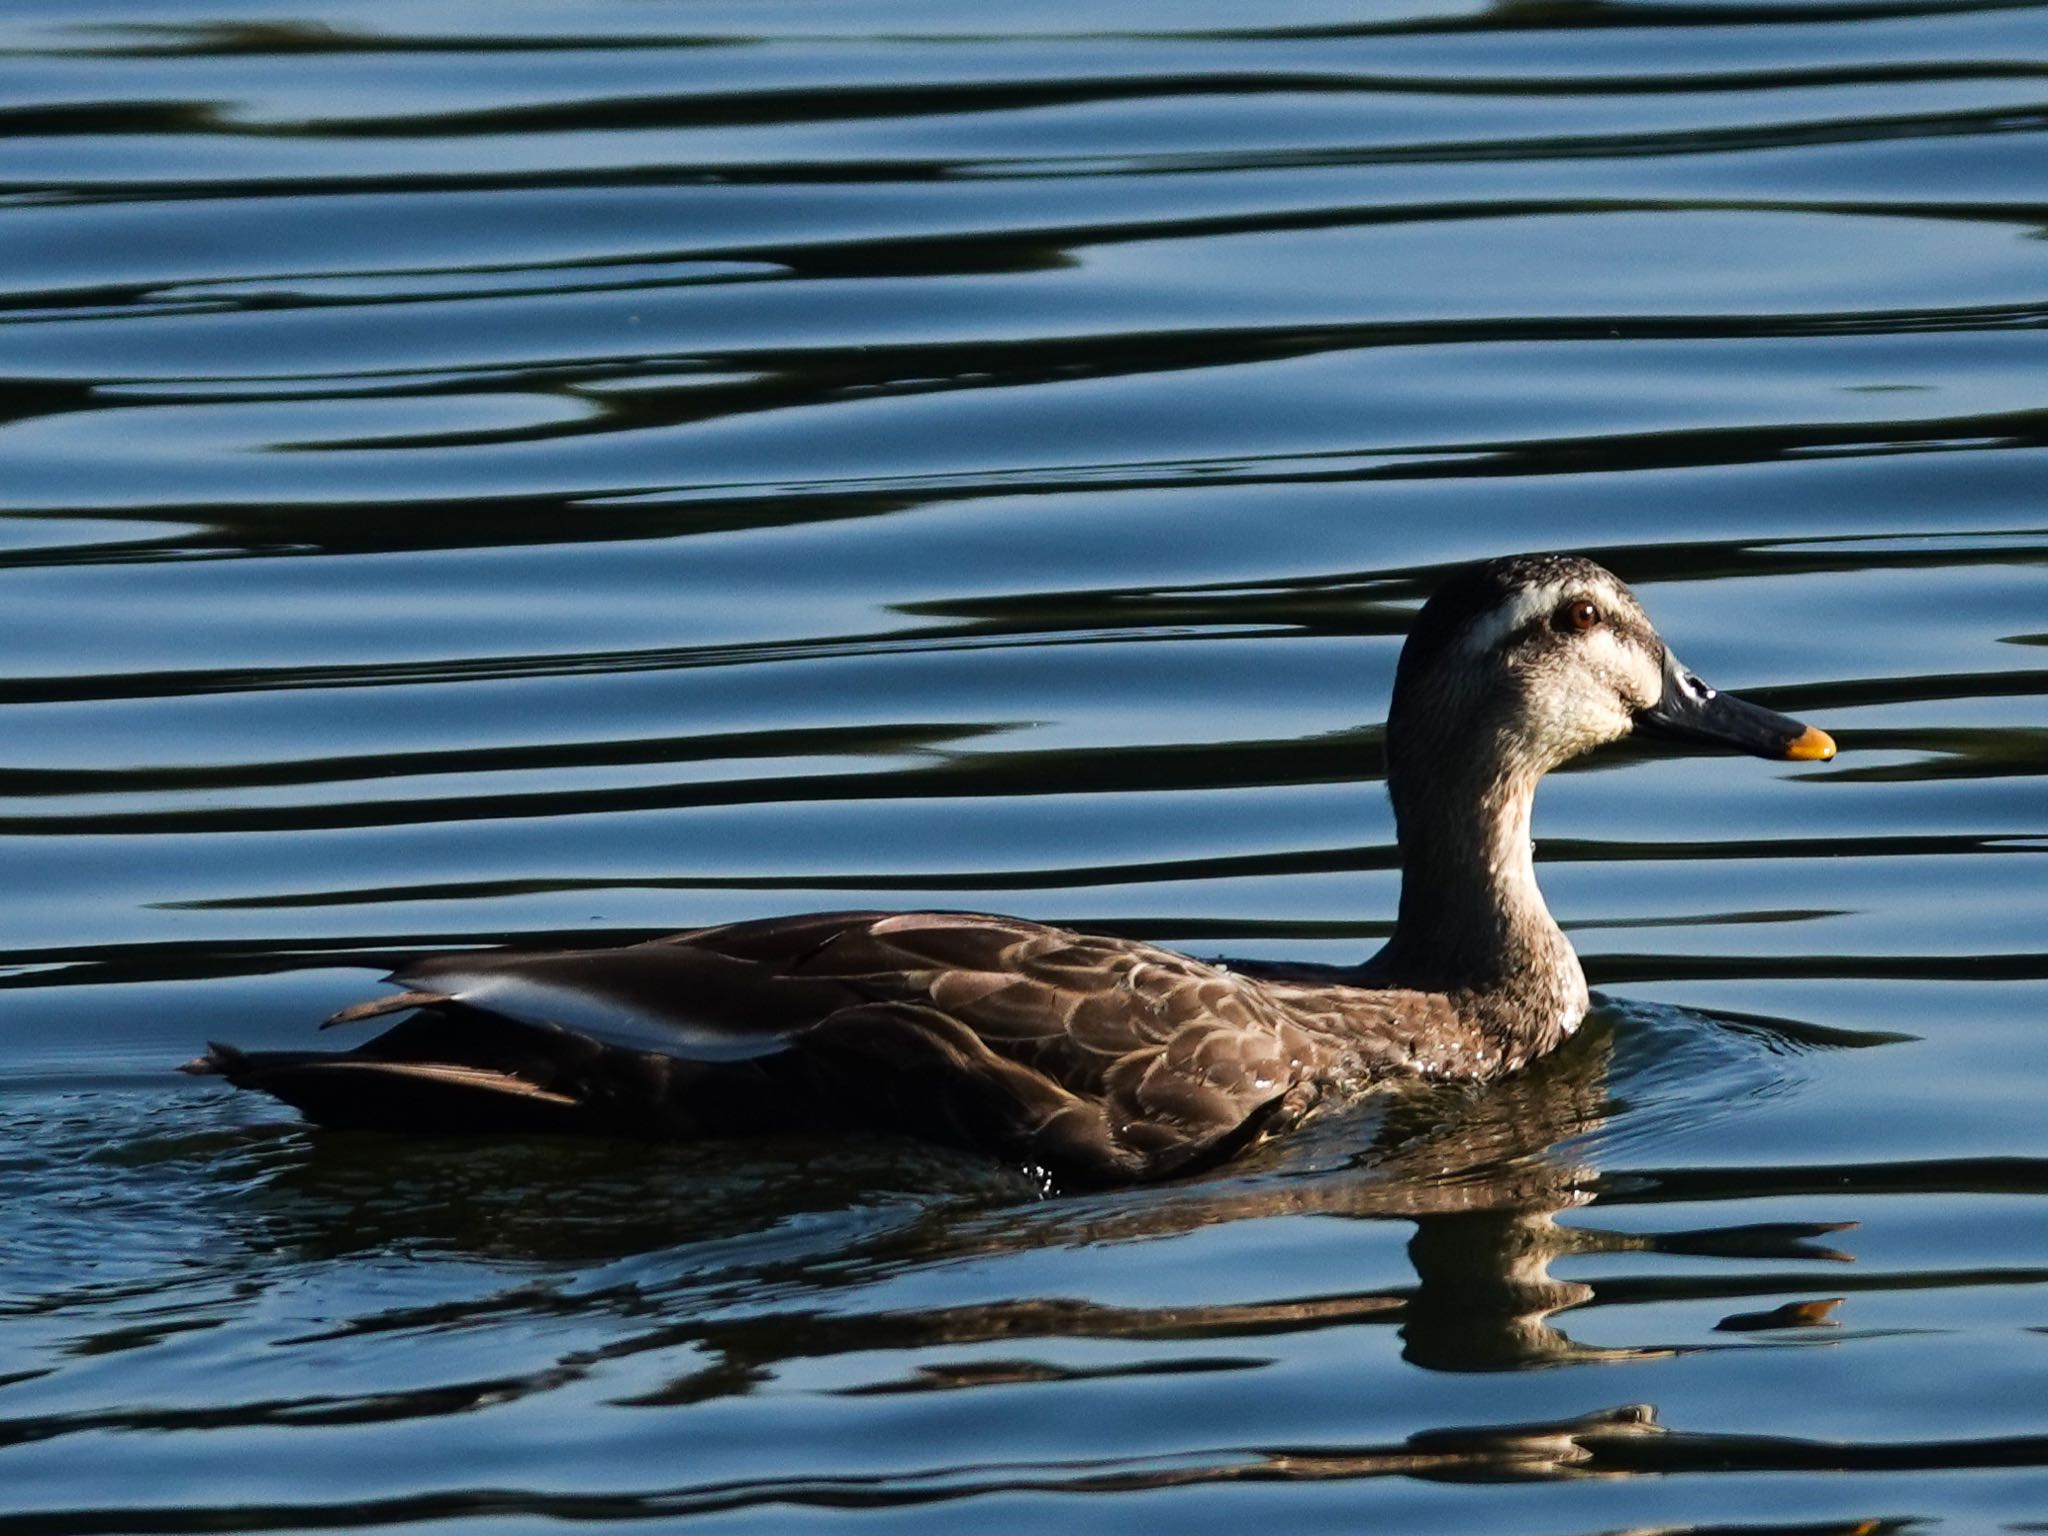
(1089, 1060)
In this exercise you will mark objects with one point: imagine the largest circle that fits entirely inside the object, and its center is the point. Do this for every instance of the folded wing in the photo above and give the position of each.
(1095, 1058)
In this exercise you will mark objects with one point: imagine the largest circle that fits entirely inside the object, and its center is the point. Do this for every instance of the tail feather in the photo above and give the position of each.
(449, 1070)
(356, 1092)
(219, 1061)
(395, 1002)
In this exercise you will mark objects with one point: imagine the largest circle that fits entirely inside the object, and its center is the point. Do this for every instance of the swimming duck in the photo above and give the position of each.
(1094, 1060)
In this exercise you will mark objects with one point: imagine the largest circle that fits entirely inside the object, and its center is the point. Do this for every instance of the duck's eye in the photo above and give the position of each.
(1581, 613)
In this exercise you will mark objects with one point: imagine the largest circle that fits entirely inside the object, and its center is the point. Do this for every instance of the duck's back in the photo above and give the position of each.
(1095, 1058)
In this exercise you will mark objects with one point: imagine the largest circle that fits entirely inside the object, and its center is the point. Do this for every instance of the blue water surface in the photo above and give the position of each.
(568, 470)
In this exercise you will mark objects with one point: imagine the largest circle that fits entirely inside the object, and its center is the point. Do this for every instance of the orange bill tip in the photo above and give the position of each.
(1812, 745)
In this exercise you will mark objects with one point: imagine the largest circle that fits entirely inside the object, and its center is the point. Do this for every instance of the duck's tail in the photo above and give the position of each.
(356, 1090)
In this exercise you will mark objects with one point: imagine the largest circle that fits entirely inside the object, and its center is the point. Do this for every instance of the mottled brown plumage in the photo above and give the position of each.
(1098, 1060)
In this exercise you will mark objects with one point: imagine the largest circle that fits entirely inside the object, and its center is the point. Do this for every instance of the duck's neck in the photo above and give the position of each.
(1472, 920)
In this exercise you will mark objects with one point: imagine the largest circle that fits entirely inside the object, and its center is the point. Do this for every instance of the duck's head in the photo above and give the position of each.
(1520, 664)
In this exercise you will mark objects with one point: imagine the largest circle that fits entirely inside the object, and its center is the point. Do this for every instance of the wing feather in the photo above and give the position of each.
(1098, 1057)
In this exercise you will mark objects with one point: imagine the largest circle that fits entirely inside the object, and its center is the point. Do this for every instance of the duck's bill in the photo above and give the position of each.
(1691, 711)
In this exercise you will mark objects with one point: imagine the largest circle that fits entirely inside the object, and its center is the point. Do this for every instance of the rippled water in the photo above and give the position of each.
(482, 472)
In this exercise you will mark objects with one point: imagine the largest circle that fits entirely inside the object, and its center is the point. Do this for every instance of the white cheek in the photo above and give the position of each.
(1632, 675)
(1638, 678)
(1586, 724)
(1595, 709)
(1640, 672)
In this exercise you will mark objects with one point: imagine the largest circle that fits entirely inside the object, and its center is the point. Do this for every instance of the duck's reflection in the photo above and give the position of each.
(1482, 1173)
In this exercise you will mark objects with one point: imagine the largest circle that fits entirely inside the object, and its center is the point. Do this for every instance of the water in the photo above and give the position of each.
(482, 473)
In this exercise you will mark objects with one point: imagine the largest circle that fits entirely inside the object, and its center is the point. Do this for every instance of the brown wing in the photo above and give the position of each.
(1074, 1051)
(1098, 1058)
(1095, 1057)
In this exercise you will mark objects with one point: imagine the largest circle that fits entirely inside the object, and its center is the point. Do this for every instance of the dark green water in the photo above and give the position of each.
(493, 472)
